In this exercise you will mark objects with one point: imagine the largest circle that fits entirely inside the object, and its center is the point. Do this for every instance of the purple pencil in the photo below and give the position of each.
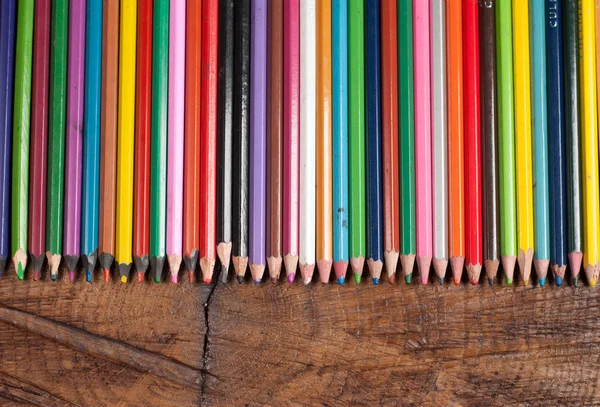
(74, 143)
(258, 138)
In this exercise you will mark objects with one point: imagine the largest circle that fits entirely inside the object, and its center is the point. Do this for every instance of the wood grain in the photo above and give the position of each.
(286, 346)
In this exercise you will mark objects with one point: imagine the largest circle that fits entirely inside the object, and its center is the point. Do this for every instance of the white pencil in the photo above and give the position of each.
(440, 138)
(308, 100)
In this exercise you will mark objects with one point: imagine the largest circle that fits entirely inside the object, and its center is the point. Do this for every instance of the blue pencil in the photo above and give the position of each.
(8, 12)
(373, 145)
(91, 137)
(540, 139)
(556, 139)
(339, 48)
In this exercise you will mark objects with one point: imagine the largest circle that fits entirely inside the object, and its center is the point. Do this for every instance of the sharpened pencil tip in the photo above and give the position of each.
(53, 277)
(291, 277)
(392, 278)
(256, 282)
(558, 280)
(542, 281)
(456, 282)
(273, 280)
(240, 279)
(357, 278)
(490, 281)
(36, 275)
(71, 276)
(123, 279)
(20, 271)
(576, 281)
(88, 276)
(375, 281)
(525, 283)
(408, 279)
(340, 280)
(441, 280)
(508, 282)
(474, 283)
(157, 278)
(191, 277)
(207, 281)
(174, 278)
(592, 282)
(140, 277)
(106, 275)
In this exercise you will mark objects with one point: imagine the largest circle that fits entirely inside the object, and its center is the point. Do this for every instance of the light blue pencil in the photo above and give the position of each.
(91, 137)
(339, 47)
(540, 141)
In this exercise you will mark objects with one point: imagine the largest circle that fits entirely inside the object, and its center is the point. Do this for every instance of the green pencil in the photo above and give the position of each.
(506, 140)
(158, 171)
(22, 109)
(356, 126)
(407, 138)
(56, 139)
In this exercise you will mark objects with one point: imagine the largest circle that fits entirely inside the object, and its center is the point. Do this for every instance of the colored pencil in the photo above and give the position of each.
(591, 215)
(356, 144)
(91, 137)
(489, 139)
(423, 174)
(108, 137)
(324, 180)
(175, 136)
(308, 42)
(456, 142)
(556, 141)
(8, 11)
(291, 129)
(374, 253)
(158, 142)
(241, 132)
(274, 137)
(541, 260)
(208, 139)
(21, 117)
(126, 137)
(225, 134)
(472, 128)
(389, 126)
(407, 140)
(573, 134)
(506, 141)
(439, 130)
(39, 136)
(523, 142)
(74, 143)
(143, 128)
(339, 74)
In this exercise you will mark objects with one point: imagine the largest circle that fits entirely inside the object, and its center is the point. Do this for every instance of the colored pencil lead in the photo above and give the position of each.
(424, 265)
(174, 266)
(491, 269)
(207, 265)
(357, 264)
(156, 265)
(340, 268)
(575, 261)
(375, 267)
(408, 264)
(391, 264)
(20, 263)
(474, 271)
(191, 261)
(257, 271)
(53, 264)
(274, 264)
(457, 264)
(307, 270)
(224, 253)
(291, 265)
(71, 264)
(141, 265)
(440, 266)
(324, 267)
(559, 274)
(37, 262)
(124, 269)
(240, 265)
(541, 269)
(508, 265)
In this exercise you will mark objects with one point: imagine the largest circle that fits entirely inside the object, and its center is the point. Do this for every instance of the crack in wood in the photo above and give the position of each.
(206, 346)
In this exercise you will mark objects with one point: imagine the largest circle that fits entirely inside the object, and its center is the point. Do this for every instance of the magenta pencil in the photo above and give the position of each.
(424, 194)
(175, 136)
(291, 129)
(74, 141)
(39, 136)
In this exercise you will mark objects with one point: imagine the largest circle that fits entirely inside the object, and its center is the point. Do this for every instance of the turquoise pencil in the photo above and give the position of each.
(540, 141)
(91, 137)
(339, 47)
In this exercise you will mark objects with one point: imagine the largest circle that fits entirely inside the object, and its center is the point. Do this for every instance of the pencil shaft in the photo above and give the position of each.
(175, 127)
(506, 143)
(406, 127)
(126, 134)
(39, 129)
(91, 125)
(241, 127)
(340, 129)
(440, 130)
(556, 134)
(158, 142)
(8, 12)
(274, 128)
(472, 126)
(356, 127)
(74, 142)
(21, 117)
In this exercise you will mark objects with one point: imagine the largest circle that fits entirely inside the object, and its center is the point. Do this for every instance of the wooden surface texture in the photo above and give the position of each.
(114, 344)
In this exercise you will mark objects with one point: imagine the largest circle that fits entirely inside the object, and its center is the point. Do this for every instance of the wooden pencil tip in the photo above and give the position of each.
(591, 272)
(257, 271)
(106, 273)
(440, 266)
(140, 277)
(223, 275)
(307, 271)
(391, 263)
(474, 272)
(424, 265)
(525, 260)
(375, 269)
(408, 264)
(174, 261)
(291, 264)
(207, 265)
(559, 273)
(457, 264)
(224, 253)
(124, 269)
(357, 264)
(541, 269)
(324, 267)
(240, 265)
(340, 268)
(37, 262)
(89, 263)
(157, 264)
(508, 265)
(20, 263)
(575, 260)
(141, 264)
(274, 265)
(491, 269)
(106, 260)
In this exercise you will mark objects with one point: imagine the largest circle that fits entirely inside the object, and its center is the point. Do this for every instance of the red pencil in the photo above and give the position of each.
(39, 136)
(143, 99)
(208, 138)
(473, 197)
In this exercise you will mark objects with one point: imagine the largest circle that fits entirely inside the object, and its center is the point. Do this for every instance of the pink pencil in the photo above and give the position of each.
(424, 196)
(291, 128)
(175, 136)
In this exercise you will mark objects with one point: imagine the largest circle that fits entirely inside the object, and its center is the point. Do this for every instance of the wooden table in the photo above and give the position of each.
(109, 344)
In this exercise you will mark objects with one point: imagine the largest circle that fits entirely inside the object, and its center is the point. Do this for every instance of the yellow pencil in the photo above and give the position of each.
(523, 149)
(591, 212)
(125, 144)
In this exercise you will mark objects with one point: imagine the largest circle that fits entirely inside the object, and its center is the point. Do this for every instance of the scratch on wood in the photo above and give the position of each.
(19, 391)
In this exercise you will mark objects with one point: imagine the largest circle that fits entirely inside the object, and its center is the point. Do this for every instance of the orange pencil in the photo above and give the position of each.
(456, 187)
